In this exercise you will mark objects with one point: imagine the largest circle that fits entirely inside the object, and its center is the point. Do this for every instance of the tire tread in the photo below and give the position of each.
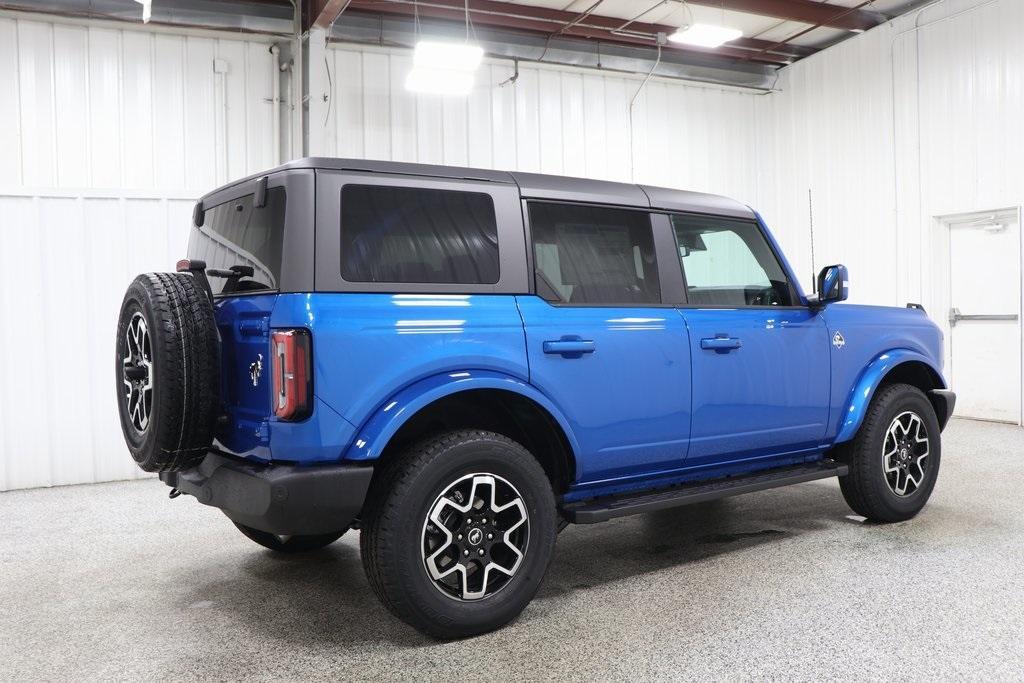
(186, 352)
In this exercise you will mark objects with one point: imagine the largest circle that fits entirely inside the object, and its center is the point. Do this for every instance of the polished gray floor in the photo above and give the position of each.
(117, 581)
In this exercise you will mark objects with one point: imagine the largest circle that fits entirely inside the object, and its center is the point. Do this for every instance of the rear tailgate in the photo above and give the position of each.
(244, 324)
(241, 232)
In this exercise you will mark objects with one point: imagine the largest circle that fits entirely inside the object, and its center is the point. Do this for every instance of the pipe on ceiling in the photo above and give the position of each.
(395, 31)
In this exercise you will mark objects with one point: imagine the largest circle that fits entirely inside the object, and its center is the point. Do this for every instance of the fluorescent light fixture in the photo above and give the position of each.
(437, 55)
(439, 81)
(705, 35)
(147, 9)
(444, 68)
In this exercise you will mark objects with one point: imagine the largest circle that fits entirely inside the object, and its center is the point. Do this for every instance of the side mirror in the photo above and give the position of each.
(833, 284)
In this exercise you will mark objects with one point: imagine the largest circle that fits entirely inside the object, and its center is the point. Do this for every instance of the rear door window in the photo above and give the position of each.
(593, 255)
(418, 236)
(236, 233)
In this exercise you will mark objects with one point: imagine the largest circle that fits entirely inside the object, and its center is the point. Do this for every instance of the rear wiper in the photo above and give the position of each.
(235, 272)
(232, 274)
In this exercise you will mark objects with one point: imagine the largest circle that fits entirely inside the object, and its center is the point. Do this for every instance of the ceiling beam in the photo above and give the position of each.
(570, 24)
(804, 11)
(613, 23)
(787, 49)
(323, 13)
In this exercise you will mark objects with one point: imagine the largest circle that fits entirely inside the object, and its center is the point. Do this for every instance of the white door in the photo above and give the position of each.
(984, 318)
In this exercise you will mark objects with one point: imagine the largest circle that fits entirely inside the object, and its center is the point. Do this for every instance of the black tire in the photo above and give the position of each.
(182, 371)
(394, 529)
(869, 489)
(289, 544)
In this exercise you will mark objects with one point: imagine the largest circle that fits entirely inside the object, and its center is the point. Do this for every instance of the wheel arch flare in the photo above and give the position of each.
(904, 365)
(379, 431)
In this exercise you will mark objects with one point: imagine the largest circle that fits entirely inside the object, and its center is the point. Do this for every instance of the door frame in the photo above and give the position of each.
(942, 296)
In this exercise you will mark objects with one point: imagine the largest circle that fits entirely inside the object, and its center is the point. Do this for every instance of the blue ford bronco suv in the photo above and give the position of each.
(459, 362)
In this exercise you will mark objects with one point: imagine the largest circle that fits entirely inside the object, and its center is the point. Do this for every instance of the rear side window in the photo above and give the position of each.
(593, 255)
(417, 236)
(238, 234)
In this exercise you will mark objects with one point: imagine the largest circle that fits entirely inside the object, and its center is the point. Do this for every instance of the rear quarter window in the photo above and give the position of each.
(418, 236)
(238, 233)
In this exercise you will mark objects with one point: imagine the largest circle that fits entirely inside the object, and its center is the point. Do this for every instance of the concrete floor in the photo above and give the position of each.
(117, 581)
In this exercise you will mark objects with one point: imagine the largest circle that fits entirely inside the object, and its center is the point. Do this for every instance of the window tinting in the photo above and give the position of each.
(404, 234)
(729, 263)
(238, 234)
(593, 255)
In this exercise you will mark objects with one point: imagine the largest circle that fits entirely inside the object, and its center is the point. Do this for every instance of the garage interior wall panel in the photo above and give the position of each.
(827, 166)
(107, 136)
(87, 106)
(913, 120)
(551, 120)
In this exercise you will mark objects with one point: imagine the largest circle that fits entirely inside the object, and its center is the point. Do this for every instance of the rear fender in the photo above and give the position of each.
(867, 384)
(374, 435)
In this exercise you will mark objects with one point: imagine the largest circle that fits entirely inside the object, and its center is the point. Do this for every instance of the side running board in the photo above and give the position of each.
(608, 507)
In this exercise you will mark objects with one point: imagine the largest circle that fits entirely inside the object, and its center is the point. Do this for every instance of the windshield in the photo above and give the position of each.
(236, 233)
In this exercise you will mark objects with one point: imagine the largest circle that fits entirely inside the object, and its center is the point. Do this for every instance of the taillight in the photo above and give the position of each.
(293, 381)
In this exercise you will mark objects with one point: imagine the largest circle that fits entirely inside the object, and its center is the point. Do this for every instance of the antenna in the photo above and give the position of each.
(810, 213)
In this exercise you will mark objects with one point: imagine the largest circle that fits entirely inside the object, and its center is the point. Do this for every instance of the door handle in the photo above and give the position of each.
(569, 348)
(720, 344)
(955, 316)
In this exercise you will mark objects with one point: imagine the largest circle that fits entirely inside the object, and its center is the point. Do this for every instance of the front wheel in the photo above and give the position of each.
(458, 533)
(894, 459)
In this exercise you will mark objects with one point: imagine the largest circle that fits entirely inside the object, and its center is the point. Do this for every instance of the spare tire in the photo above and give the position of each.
(168, 371)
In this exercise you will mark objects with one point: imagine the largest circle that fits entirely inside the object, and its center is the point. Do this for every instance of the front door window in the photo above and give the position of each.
(729, 263)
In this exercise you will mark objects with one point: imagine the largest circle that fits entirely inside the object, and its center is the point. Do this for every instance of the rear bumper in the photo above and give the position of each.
(280, 499)
(944, 402)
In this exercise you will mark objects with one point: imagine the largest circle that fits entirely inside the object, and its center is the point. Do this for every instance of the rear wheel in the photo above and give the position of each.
(289, 544)
(458, 533)
(894, 459)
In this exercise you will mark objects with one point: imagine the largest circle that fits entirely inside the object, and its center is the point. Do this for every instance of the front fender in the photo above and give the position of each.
(376, 432)
(862, 393)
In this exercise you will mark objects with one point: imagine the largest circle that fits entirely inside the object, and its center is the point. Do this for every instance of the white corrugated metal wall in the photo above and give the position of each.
(552, 120)
(107, 136)
(916, 119)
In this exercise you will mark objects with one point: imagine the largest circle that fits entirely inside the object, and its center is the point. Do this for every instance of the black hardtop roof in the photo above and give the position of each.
(532, 185)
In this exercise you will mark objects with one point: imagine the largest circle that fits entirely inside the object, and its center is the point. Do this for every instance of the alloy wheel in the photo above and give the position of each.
(905, 453)
(475, 536)
(137, 372)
